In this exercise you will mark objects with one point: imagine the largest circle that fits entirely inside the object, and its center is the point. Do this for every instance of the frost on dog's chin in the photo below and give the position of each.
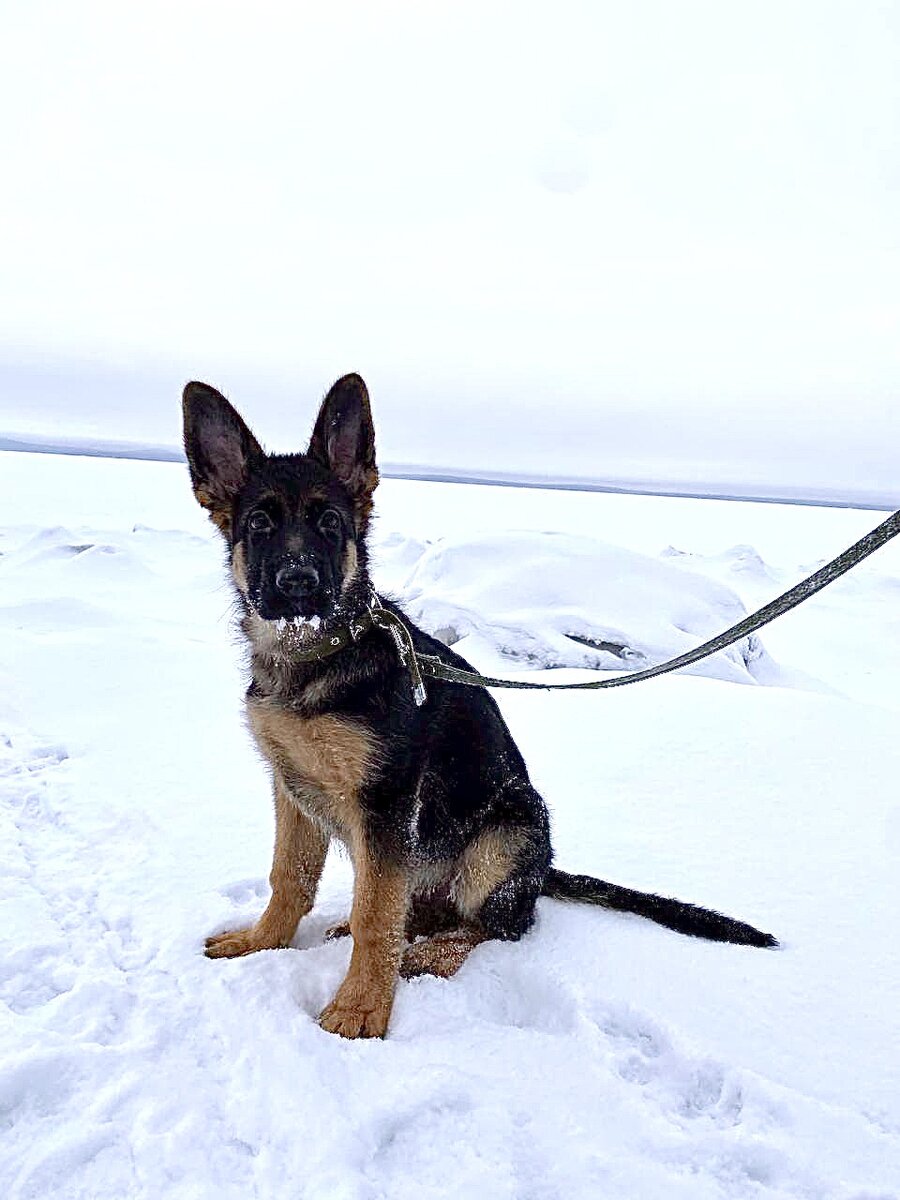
(299, 627)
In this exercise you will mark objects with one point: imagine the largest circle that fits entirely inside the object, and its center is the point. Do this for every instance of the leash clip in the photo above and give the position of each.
(406, 651)
(356, 629)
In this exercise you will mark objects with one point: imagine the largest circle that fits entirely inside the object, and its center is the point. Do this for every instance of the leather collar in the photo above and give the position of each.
(336, 640)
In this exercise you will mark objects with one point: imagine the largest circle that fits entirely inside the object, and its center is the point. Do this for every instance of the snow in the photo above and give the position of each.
(299, 624)
(601, 1056)
(533, 598)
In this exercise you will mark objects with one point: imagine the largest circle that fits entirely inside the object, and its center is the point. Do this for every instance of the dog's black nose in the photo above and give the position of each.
(297, 581)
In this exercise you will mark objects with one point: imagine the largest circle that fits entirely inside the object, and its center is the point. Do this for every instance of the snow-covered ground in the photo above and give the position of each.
(600, 1057)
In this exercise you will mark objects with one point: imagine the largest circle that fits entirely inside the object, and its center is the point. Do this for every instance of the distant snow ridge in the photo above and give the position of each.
(547, 600)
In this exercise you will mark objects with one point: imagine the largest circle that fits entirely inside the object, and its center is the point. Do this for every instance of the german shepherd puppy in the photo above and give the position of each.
(450, 843)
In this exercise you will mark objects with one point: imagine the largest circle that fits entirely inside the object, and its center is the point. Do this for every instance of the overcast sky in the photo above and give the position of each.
(572, 229)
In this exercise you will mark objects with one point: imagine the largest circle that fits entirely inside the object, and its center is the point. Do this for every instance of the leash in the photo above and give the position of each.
(420, 665)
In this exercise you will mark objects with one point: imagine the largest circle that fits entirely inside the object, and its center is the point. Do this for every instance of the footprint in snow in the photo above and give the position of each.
(684, 1087)
(245, 891)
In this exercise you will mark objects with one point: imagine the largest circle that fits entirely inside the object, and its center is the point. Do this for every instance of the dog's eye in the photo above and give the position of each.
(260, 522)
(330, 522)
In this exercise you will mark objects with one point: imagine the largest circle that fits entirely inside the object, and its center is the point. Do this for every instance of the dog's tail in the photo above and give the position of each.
(674, 914)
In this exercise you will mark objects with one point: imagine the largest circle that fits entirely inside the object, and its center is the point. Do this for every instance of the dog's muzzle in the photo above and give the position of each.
(297, 581)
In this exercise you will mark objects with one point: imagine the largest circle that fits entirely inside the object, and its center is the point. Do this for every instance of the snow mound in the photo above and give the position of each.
(740, 561)
(547, 600)
(393, 557)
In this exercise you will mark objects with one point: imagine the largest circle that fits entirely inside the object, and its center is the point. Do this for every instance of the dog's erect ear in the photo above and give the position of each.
(344, 440)
(220, 449)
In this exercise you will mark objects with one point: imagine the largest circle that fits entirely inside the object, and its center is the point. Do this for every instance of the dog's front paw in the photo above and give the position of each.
(238, 942)
(355, 1020)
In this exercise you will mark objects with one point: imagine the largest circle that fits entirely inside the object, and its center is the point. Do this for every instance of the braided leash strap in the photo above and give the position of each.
(428, 664)
(406, 651)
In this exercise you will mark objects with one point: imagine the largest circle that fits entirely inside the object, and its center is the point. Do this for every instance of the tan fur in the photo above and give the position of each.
(264, 635)
(486, 863)
(219, 514)
(350, 565)
(322, 760)
(300, 848)
(363, 1002)
(239, 568)
(317, 691)
(363, 484)
(441, 955)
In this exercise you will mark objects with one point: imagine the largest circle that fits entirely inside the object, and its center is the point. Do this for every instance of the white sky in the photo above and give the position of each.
(584, 231)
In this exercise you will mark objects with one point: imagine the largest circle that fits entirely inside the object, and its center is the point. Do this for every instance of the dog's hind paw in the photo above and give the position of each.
(340, 930)
(441, 955)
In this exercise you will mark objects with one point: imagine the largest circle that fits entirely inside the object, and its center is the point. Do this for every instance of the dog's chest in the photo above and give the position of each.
(323, 762)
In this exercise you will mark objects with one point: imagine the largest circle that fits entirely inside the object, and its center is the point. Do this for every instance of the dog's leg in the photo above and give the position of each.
(494, 889)
(500, 878)
(363, 1002)
(425, 915)
(300, 848)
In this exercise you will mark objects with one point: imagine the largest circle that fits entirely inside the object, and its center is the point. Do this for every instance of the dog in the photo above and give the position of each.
(450, 843)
